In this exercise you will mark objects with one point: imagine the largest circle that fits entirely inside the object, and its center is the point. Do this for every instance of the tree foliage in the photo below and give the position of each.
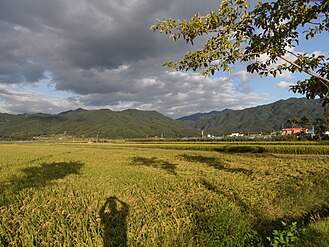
(262, 37)
(326, 117)
(293, 121)
(304, 122)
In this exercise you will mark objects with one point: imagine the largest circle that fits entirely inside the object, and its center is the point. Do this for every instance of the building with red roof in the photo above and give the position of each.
(292, 131)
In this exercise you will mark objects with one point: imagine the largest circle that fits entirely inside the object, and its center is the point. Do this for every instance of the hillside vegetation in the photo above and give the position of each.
(128, 124)
(102, 123)
(261, 118)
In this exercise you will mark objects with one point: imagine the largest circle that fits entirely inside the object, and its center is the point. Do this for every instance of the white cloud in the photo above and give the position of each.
(121, 68)
(174, 94)
(318, 53)
(285, 84)
(101, 54)
(242, 75)
(32, 101)
(285, 74)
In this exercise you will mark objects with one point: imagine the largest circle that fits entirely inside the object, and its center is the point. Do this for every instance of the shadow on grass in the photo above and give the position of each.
(264, 227)
(113, 215)
(47, 157)
(241, 149)
(45, 174)
(215, 163)
(233, 196)
(156, 163)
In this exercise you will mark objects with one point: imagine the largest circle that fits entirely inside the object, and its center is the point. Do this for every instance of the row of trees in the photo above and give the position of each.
(320, 125)
(303, 122)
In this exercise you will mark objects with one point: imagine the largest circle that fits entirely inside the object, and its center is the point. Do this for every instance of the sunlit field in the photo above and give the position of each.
(137, 195)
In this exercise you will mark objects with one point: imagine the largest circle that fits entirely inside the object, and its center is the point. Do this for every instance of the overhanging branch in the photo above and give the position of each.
(322, 79)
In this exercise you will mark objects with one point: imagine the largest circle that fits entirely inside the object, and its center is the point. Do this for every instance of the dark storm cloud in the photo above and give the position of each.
(102, 50)
(87, 35)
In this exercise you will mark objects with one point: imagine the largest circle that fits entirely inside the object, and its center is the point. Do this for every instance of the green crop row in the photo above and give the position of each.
(293, 148)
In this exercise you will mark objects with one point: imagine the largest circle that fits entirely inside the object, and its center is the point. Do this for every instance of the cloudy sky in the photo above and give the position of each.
(61, 55)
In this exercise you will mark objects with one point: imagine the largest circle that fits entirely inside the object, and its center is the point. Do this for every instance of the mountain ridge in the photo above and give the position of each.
(133, 123)
(269, 117)
(104, 123)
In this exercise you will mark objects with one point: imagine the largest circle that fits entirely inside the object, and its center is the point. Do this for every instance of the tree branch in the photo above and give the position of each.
(249, 54)
(320, 24)
(323, 80)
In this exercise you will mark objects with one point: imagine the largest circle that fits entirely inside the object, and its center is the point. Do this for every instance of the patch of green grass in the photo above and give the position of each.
(94, 195)
(316, 234)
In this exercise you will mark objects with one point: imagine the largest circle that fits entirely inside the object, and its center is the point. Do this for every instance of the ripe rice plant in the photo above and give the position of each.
(238, 147)
(117, 195)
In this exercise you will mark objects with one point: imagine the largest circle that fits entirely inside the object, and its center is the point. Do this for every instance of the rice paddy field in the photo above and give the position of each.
(164, 194)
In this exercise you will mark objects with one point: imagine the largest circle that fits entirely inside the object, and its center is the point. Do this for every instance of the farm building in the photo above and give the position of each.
(292, 131)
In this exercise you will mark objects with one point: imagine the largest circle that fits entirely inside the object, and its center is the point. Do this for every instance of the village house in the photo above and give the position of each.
(292, 131)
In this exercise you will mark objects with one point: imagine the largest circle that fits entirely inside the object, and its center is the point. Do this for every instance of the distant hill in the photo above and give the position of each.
(140, 124)
(197, 116)
(261, 118)
(104, 123)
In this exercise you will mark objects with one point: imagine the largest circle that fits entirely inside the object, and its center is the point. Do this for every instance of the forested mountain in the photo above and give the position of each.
(269, 117)
(104, 123)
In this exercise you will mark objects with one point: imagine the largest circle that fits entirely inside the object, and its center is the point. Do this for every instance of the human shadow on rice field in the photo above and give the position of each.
(215, 163)
(113, 215)
(44, 174)
(156, 163)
